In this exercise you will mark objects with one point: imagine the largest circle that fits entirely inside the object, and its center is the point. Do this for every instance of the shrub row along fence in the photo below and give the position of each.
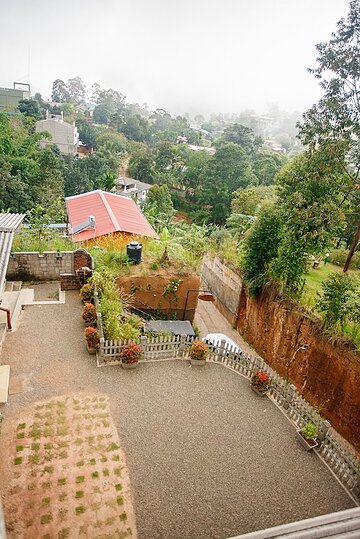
(341, 460)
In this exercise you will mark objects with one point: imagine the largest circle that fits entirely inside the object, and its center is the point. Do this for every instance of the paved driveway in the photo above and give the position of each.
(207, 457)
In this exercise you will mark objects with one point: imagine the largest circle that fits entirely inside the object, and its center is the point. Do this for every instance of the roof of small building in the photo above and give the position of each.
(175, 327)
(98, 213)
(9, 223)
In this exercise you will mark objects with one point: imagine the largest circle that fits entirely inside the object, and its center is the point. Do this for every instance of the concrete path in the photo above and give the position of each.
(208, 458)
(209, 320)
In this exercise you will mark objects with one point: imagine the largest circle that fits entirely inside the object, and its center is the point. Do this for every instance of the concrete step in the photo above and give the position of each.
(17, 285)
(4, 382)
(14, 301)
(8, 287)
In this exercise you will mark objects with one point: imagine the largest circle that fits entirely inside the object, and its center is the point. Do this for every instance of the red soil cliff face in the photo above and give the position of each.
(327, 374)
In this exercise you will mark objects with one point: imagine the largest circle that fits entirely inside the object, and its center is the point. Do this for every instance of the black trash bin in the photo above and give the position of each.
(133, 250)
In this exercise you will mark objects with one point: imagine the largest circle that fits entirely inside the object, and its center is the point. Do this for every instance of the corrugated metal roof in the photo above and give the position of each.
(9, 223)
(112, 213)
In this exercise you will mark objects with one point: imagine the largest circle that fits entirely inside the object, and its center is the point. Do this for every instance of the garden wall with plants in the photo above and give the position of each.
(163, 294)
(325, 372)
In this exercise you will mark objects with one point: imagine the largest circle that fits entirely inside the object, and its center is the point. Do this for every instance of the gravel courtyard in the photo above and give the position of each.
(207, 457)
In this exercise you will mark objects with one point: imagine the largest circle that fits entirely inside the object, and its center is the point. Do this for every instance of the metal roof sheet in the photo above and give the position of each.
(112, 213)
(9, 223)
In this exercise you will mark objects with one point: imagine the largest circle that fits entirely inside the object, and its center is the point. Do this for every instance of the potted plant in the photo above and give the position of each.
(130, 355)
(89, 314)
(307, 436)
(198, 353)
(260, 382)
(92, 339)
(87, 293)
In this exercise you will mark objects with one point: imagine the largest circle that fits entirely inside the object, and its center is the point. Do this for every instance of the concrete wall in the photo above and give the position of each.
(64, 135)
(224, 284)
(28, 266)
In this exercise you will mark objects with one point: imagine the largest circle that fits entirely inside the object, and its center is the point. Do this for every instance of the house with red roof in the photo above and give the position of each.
(98, 214)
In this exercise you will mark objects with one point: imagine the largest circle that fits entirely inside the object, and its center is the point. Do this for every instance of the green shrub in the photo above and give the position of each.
(339, 301)
(339, 256)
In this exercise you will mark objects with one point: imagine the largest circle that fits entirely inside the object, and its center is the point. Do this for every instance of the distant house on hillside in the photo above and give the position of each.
(129, 187)
(64, 135)
(10, 97)
(97, 214)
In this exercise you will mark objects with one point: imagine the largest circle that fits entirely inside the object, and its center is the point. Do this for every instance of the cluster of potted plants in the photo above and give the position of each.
(87, 293)
(130, 355)
(307, 436)
(260, 382)
(92, 339)
(198, 352)
(89, 314)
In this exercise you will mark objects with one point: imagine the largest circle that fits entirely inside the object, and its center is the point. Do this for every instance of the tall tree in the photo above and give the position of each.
(60, 92)
(336, 117)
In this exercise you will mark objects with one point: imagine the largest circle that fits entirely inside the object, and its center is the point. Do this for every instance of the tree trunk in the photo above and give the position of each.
(352, 248)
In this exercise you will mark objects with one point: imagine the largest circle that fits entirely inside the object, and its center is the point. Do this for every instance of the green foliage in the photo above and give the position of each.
(158, 207)
(243, 136)
(339, 257)
(141, 167)
(247, 201)
(30, 107)
(260, 248)
(339, 301)
(309, 432)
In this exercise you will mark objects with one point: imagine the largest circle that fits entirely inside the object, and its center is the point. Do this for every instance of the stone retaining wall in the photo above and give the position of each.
(35, 266)
(226, 286)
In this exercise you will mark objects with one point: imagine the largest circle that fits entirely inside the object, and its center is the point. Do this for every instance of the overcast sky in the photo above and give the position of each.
(182, 55)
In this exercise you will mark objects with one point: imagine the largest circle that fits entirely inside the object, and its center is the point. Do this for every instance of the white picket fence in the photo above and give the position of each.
(342, 461)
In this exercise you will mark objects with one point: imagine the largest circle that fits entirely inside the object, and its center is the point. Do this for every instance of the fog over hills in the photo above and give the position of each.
(192, 56)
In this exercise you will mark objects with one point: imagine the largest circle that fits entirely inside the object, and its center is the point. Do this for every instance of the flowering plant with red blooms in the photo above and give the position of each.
(198, 350)
(92, 337)
(89, 313)
(130, 353)
(261, 381)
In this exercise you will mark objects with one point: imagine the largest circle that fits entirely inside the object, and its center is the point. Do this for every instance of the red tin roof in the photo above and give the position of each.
(112, 213)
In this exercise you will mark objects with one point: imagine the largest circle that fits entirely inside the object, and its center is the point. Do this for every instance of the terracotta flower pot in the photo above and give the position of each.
(260, 393)
(198, 362)
(129, 365)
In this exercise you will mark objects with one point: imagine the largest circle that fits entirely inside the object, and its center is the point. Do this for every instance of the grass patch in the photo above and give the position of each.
(80, 463)
(21, 426)
(95, 475)
(18, 460)
(46, 485)
(45, 519)
(35, 446)
(115, 458)
(113, 447)
(49, 446)
(80, 479)
(106, 472)
(63, 454)
(48, 469)
(45, 502)
(19, 448)
(92, 461)
(120, 500)
(80, 510)
(35, 433)
(118, 486)
(117, 471)
(34, 459)
(79, 494)
(64, 533)
(62, 481)
(123, 517)
(20, 435)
